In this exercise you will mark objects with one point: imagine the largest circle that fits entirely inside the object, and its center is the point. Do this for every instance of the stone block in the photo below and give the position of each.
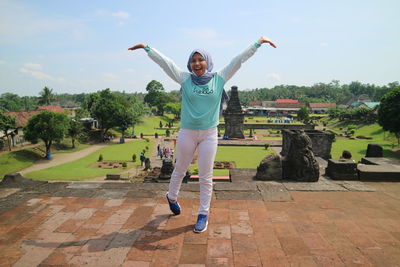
(342, 169)
(374, 150)
(113, 176)
(378, 173)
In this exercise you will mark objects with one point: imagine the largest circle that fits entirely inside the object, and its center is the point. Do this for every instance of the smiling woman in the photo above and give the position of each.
(202, 91)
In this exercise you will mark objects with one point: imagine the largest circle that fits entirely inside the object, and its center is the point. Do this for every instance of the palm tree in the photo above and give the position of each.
(46, 96)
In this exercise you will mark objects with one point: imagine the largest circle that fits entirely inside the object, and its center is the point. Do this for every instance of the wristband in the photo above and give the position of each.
(257, 44)
(147, 48)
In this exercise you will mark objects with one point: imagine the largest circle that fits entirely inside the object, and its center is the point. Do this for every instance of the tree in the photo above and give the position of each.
(174, 108)
(11, 102)
(46, 96)
(302, 115)
(129, 114)
(7, 123)
(115, 110)
(90, 100)
(156, 97)
(388, 112)
(74, 130)
(47, 126)
(104, 109)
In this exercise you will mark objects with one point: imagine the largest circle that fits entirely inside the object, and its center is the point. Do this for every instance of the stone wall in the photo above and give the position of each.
(275, 126)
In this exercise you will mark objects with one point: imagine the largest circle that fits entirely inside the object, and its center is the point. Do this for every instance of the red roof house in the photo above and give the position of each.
(283, 100)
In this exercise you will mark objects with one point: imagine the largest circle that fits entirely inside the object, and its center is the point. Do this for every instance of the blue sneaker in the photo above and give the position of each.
(174, 206)
(201, 225)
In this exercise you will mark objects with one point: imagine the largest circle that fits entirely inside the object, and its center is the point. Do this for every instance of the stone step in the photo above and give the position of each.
(379, 172)
(195, 178)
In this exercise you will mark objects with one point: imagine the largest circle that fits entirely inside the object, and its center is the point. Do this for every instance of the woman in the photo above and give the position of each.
(201, 97)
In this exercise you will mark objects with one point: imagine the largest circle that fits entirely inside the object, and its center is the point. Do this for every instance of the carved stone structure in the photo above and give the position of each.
(342, 169)
(300, 163)
(321, 142)
(374, 151)
(234, 116)
(166, 169)
(270, 168)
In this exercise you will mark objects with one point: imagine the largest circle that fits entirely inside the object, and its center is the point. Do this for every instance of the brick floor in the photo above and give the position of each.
(315, 229)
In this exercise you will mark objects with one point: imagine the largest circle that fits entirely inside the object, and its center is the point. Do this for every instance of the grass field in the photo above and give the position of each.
(17, 160)
(358, 147)
(243, 157)
(81, 170)
(151, 125)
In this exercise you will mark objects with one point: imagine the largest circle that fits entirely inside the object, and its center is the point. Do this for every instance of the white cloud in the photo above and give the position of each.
(323, 44)
(120, 23)
(110, 76)
(274, 76)
(121, 14)
(131, 70)
(41, 75)
(33, 66)
(3, 62)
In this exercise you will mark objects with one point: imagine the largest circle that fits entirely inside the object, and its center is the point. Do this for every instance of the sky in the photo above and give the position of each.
(81, 46)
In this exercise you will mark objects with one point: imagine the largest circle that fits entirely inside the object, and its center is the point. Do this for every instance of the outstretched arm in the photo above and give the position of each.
(170, 68)
(229, 70)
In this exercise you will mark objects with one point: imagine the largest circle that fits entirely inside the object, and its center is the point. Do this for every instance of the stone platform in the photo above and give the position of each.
(378, 172)
(379, 169)
(251, 224)
(244, 142)
(380, 161)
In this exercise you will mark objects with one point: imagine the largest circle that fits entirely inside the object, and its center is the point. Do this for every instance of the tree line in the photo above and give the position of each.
(158, 99)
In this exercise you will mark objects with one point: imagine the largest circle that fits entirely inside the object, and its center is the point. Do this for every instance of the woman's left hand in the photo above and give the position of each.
(264, 39)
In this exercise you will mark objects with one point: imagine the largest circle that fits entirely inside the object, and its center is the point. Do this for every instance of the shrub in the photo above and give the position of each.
(100, 157)
(147, 140)
(351, 127)
(134, 158)
(266, 146)
(147, 148)
(124, 164)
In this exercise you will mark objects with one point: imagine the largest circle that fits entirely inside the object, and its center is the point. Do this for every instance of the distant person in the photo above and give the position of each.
(202, 92)
(142, 158)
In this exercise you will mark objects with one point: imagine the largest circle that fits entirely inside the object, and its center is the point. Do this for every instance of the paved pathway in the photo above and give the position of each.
(125, 225)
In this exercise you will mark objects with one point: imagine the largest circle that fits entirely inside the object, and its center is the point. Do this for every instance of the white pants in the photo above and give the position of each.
(206, 143)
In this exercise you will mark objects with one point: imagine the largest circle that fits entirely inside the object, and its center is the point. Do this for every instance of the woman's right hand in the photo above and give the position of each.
(137, 46)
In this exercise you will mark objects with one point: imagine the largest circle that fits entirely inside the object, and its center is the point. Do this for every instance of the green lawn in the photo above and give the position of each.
(358, 147)
(151, 125)
(17, 160)
(244, 157)
(80, 169)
